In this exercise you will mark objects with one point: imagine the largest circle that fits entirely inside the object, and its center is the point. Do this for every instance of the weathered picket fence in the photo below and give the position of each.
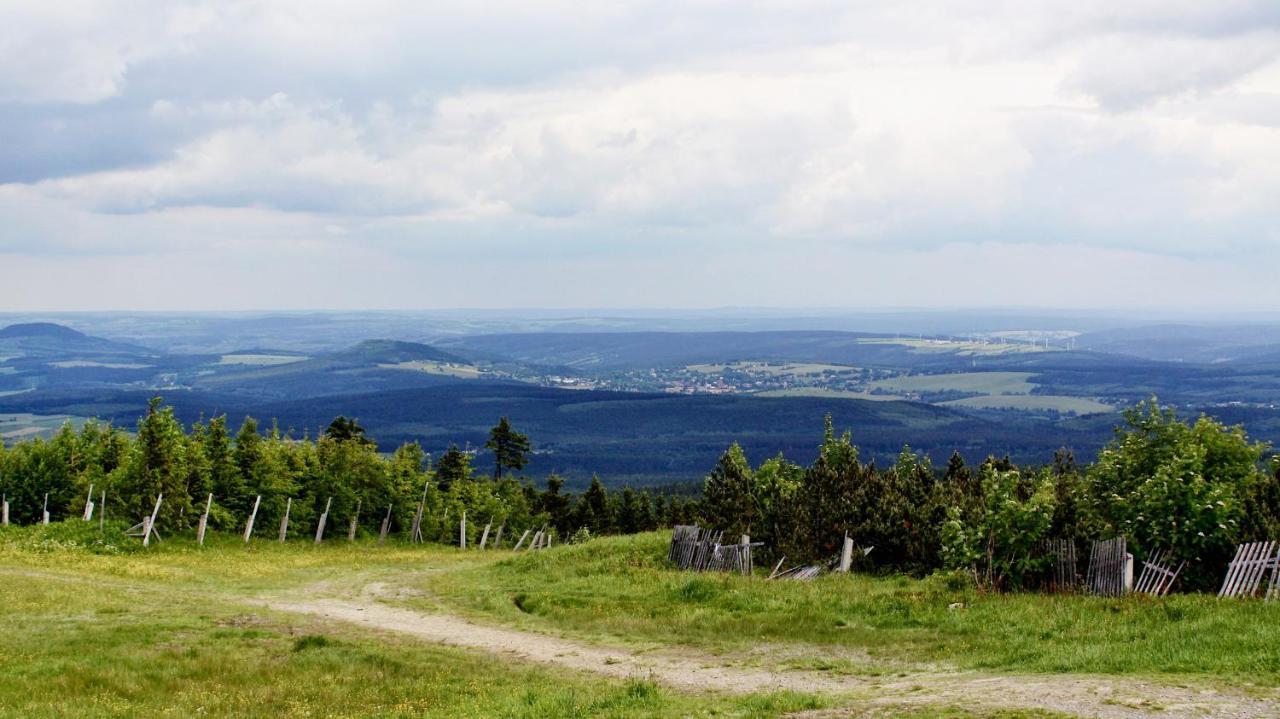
(1108, 565)
(701, 550)
(1065, 575)
(1251, 563)
(1158, 574)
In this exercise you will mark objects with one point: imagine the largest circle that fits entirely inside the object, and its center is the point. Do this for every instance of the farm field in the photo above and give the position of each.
(959, 347)
(259, 360)
(601, 629)
(775, 369)
(984, 382)
(448, 369)
(826, 392)
(24, 425)
(1033, 402)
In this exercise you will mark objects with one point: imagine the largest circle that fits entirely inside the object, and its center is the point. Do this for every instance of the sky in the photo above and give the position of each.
(383, 154)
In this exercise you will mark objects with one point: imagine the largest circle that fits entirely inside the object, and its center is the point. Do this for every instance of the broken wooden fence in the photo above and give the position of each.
(1244, 575)
(1158, 574)
(1107, 564)
(1064, 574)
(701, 550)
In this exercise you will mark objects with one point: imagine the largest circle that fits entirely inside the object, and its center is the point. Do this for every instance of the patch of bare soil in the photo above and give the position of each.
(1086, 696)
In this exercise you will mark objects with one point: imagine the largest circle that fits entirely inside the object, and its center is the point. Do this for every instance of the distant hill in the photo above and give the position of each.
(366, 367)
(393, 352)
(49, 341)
(41, 329)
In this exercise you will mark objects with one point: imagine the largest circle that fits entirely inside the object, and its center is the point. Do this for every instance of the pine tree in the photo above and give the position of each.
(159, 467)
(728, 494)
(592, 509)
(509, 448)
(454, 466)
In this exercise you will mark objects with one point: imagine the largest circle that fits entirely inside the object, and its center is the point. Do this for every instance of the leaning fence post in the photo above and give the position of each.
(846, 554)
(44, 515)
(284, 521)
(149, 523)
(248, 526)
(88, 505)
(355, 520)
(386, 526)
(484, 536)
(323, 518)
(202, 525)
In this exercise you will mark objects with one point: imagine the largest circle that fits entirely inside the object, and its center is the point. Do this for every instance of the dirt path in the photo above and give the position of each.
(1088, 696)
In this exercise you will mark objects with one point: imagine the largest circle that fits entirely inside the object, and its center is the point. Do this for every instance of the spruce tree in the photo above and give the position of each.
(728, 494)
(510, 448)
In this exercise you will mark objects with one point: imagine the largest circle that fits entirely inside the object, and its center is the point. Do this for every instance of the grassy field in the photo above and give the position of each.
(826, 392)
(957, 346)
(260, 360)
(448, 369)
(619, 588)
(1034, 402)
(984, 382)
(106, 629)
(27, 426)
(773, 369)
(110, 631)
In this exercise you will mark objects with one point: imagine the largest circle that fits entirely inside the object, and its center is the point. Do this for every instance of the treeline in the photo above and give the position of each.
(342, 464)
(1195, 489)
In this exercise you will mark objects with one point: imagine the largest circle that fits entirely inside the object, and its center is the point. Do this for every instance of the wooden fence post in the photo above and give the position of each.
(386, 526)
(522, 538)
(846, 554)
(355, 520)
(149, 524)
(415, 534)
(44, 514)
(323, 518)
(284, 521)
(484, 536)
(497, 539)
(88, 505)
(4, 511)
(203, 524)
(248, 526)
(102, 511)
(462, 531)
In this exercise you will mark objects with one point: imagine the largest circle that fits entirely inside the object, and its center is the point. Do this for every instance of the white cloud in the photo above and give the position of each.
(750, 137)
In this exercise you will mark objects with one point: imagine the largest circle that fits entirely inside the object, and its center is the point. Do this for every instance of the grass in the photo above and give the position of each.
(959, 347)
(259, 360)
(100, 627)
(1034, 402)
(997, 383)
(23, 425)
(773, 369)
(448, 369)
(619, 589)
(827, 392)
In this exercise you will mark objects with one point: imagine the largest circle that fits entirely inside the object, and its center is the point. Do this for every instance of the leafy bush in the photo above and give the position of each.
(998, 540)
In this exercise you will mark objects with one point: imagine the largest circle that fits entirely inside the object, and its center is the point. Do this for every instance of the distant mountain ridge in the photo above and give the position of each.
(40, 329)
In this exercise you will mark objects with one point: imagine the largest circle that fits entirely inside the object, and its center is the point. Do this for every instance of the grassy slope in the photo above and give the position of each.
(160, 634)
(108, 630)
(618, 588)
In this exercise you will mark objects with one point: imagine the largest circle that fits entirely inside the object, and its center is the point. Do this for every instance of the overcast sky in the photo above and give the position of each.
(245, 155)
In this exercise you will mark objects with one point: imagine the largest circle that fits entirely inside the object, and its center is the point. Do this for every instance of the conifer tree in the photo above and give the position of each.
(728, 493)
(510, 448)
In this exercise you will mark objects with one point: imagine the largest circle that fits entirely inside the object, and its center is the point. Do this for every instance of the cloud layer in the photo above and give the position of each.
(395, 154)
